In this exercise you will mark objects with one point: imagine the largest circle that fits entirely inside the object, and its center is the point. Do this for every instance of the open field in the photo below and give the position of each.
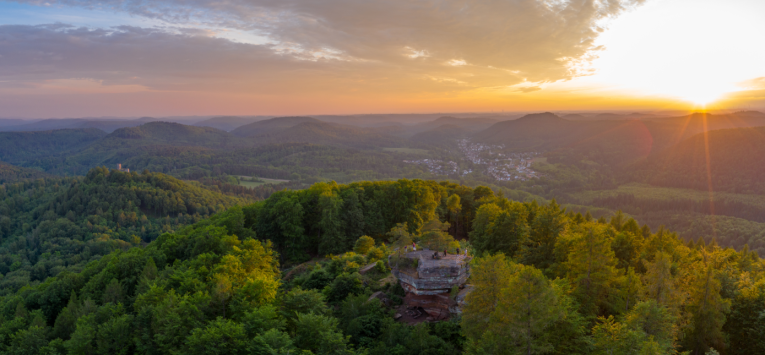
(412, 151)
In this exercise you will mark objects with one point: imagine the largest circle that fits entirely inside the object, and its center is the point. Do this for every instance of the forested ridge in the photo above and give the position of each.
(54, 224)
(546, 281)
(728, 156)
(10, 173)
(310, 151)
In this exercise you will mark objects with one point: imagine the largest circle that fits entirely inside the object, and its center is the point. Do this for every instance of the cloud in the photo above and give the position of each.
(347, 54)
(537, 39)
(756, 83)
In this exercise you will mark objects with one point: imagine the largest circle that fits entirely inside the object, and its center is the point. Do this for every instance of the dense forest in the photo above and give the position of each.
(722, 160)
(11, 173)
(281, 276)
(55, 224)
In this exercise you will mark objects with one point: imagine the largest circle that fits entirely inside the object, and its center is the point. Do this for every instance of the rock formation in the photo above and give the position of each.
(429, 281)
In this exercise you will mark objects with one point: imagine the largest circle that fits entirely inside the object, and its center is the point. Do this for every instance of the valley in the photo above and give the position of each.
(296, 221)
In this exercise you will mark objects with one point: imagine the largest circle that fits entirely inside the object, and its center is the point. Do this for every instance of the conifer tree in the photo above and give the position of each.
(707, 310)
(592, 268)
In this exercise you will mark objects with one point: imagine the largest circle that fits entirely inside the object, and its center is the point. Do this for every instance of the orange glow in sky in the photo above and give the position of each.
(335, 57)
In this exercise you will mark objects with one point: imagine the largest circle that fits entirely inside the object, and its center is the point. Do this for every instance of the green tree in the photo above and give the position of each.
(526, 311)
(319, 334)
(707, 309)
(113, 292)
(591, 267)
(548, 223)
(363, 245)
(219, 337)
(489, 276)
(497, 229)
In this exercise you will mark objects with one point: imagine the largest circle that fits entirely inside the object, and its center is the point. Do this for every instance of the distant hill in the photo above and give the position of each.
(132, 141)
(270, 126)
(539, 130)
(23, 148)
(609, 141)
(734, 165)
(466, 124)
(105, 124)
(322, 133)
(10, 122)
(171, 133)
(12, 173)
(310, 130)
(608, 116)
(441, 135)
(575, 117)
(228, 123)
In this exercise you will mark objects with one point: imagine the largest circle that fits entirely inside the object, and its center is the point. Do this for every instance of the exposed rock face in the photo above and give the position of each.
(428, 285)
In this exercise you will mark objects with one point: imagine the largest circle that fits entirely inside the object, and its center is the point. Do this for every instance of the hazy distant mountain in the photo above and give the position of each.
(732, 157)
(228, 123)
(609, 141)
(169, 133)
(575, 117)
(615, 141)
(270, 126)
(608, 116)
(21, 148)
(472, 124)
(317, 132)
(104, 124)
(441, 135)
(534, 130)
(10, 122)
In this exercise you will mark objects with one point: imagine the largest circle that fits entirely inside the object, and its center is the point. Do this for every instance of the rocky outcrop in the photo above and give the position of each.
(428, 286)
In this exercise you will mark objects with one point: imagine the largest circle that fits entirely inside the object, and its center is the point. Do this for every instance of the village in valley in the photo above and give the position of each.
(491, 160)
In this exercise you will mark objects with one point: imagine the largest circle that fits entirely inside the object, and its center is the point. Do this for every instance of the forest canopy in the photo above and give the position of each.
(281, 276)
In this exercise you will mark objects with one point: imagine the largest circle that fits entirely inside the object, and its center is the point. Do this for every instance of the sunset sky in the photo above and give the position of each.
(72, 58)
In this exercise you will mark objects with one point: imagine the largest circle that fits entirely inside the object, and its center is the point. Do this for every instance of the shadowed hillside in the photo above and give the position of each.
(11, 173)
(613, 142)
(270, 126)
(24, 148)
(732, 158)
(228, 123)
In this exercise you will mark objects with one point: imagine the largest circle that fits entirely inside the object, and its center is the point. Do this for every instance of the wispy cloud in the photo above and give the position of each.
(348, 46)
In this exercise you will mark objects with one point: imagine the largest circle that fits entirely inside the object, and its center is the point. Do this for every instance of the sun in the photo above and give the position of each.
(699, 94)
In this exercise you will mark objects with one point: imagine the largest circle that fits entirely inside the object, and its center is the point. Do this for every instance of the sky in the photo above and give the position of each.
(76, 58)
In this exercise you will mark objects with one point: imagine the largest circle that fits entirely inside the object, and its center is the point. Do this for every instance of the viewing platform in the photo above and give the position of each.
(428, 281)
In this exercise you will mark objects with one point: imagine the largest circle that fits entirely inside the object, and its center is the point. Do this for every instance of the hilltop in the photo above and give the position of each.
(228, 123)
(271, 126)
(25, 148)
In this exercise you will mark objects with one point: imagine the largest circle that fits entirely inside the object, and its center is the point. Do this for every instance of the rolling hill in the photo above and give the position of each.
(322, 133)
(310, 130)
(154, 136)
(229, 123)
(732, 158)
(608, 141)
(11, 173)
(474, 124)
(24, 148)
(270, 126)
(440, 136)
